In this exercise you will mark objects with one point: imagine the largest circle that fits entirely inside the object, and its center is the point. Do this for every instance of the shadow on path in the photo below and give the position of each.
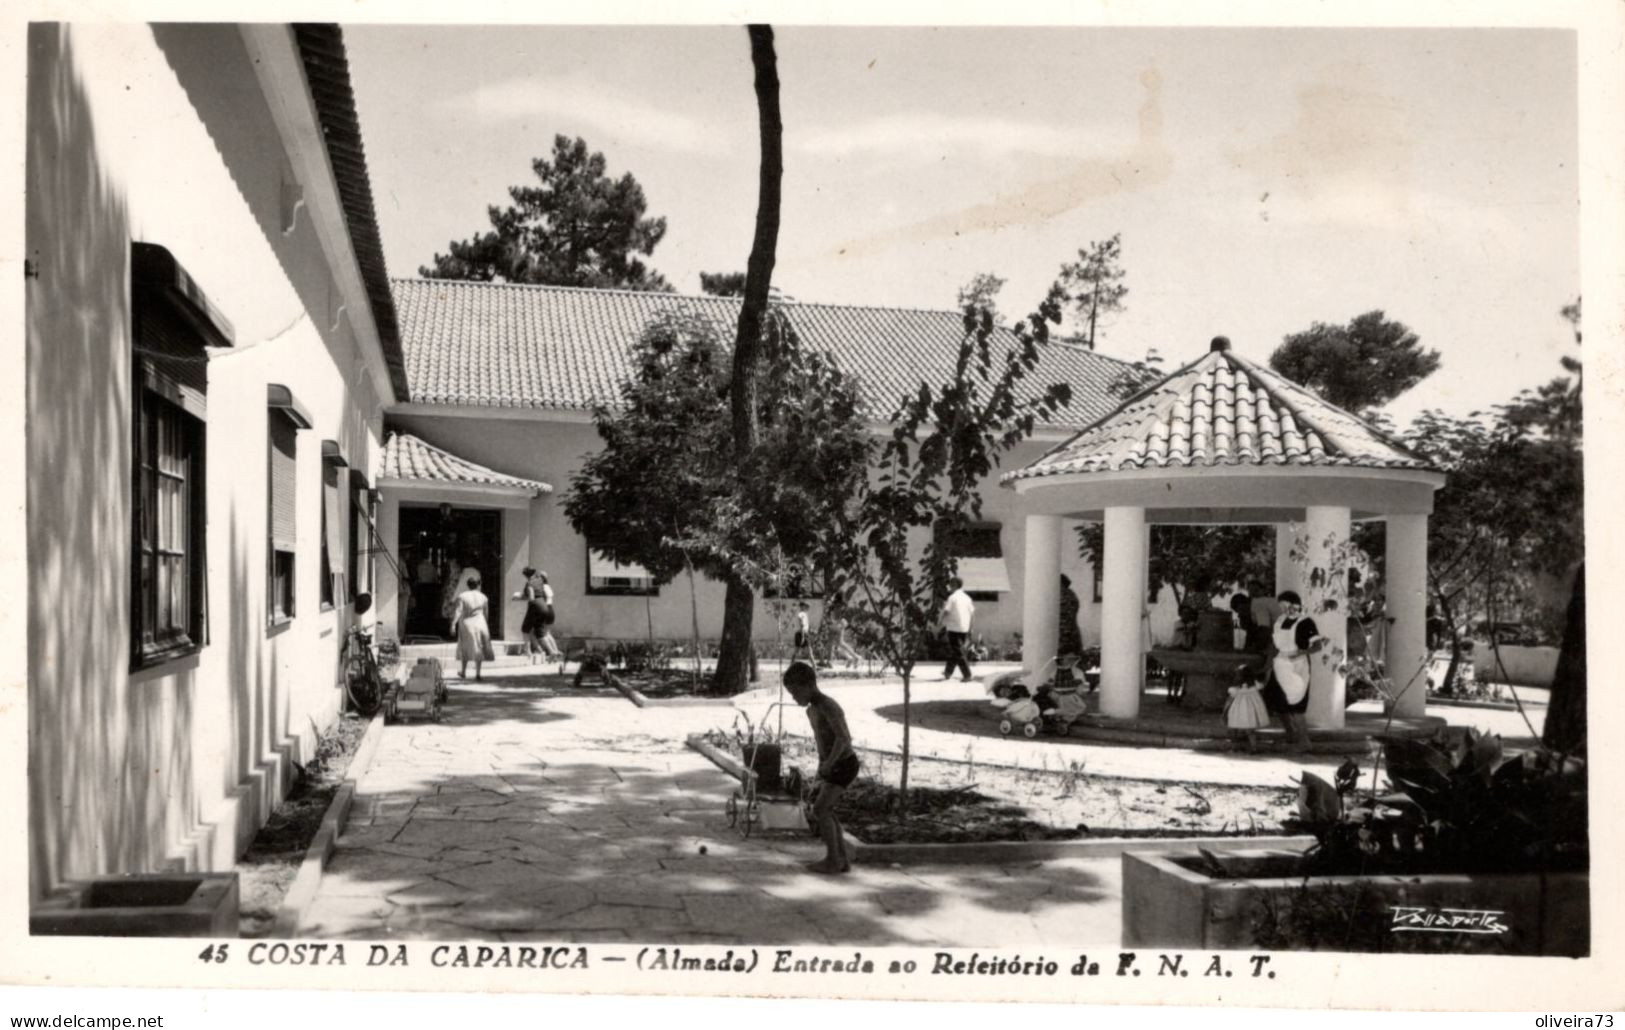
(535, 815)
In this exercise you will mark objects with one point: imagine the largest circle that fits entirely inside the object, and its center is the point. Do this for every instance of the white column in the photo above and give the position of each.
(1326, 528)
(388, 608)
(538, 510)
(1122, 602)
(1040, 596)
(1407, 593)
(1286, 573)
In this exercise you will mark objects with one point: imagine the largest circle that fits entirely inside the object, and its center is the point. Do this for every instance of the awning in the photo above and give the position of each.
(986, 575)
(281, 398)
(331, 454)
(600, 567)
(154, 268)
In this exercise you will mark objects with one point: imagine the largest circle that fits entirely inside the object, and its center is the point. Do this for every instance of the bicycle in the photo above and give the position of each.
(363, 683)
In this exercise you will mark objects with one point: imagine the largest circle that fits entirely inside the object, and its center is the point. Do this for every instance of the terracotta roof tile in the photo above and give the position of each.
(409, 457)
(1223, 410)
(515, 346)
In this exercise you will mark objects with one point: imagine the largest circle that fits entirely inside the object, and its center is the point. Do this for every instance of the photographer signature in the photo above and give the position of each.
(1446, 920)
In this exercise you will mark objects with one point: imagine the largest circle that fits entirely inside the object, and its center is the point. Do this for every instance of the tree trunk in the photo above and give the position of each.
(694, 621)
(734, 657)
(902, 783)
(1566, 716)
(740, 602)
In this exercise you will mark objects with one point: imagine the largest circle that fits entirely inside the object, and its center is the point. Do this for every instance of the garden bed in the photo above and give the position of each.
(267, 869)
(666, 685)
(966, 802)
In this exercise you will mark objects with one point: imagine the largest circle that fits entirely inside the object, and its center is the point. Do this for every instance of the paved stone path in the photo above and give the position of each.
(539, 812)
(536, 811)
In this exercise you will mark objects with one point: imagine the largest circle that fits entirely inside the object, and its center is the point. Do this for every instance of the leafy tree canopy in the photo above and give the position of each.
(1358, 366)
(723, 284)
(1094, 283)
(982, 293)
(578, 227)
(666, 491)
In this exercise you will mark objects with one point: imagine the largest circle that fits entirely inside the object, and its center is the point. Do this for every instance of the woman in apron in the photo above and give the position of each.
(1294, 637)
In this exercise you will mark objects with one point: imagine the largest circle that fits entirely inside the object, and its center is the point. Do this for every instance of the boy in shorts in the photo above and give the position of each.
(837, 762)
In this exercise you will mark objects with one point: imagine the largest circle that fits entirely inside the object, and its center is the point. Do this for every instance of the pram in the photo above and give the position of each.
(421, 694)
(1048, 709)
(1052, 707)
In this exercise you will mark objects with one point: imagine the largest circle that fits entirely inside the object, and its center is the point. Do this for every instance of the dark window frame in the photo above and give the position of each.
(281, 562)
(358, 529)
(972, 529)
(327, 591)
(615, 586)
(172, 325)
(150, 646)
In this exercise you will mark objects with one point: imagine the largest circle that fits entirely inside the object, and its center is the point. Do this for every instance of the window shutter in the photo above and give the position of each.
(334, 539)
(283, 505)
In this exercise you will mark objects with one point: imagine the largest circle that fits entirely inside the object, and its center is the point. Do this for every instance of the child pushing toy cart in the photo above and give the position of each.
(765, 800)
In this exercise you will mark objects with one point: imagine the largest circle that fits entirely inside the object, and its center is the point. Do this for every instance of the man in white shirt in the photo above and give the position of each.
(957, 612)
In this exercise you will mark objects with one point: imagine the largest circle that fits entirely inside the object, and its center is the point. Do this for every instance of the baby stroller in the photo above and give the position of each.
(1052, 707)
(1050, 710)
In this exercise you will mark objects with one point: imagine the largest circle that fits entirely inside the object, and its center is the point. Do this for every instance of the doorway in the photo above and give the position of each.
(437, 542)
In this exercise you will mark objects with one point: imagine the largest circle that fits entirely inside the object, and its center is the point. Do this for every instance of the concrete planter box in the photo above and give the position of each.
(1170, 902)
(141, 905)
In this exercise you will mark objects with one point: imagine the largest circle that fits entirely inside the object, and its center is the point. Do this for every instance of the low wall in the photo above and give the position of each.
(1519, 666)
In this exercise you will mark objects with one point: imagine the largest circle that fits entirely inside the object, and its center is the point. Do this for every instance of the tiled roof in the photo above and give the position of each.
(409, 457)
(515, 346)
(1223, 410)
(327, 70)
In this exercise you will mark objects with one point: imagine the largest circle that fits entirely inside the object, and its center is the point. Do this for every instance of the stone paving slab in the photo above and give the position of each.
(535, 813)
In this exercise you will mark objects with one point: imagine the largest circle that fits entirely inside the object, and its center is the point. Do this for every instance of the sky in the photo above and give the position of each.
(1261, 179)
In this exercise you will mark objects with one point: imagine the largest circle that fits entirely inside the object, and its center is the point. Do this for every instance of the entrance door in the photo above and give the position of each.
(436, 544)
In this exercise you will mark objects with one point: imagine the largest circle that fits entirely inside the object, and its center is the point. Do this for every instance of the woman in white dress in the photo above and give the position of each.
(1295, 637)
(471, 628)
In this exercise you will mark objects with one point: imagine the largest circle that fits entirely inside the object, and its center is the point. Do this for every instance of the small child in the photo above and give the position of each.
(803, 641)
(1245, 712)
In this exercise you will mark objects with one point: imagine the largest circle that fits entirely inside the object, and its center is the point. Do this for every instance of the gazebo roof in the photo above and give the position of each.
(1223, 413)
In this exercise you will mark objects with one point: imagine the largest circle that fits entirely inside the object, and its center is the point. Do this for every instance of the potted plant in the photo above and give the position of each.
(1470, 849)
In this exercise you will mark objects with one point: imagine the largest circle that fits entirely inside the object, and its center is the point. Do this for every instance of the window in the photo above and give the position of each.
(359, 578)
(173, 325)
(285, 419)
(168, 567)
(332, 524)
(607, 577)
(981, 559)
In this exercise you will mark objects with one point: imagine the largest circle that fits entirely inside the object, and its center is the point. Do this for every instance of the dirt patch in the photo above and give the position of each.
(965, 802)
(669, 684)
(267, 869)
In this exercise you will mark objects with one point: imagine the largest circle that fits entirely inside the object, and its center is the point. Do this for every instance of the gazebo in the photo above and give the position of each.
(1226, 441)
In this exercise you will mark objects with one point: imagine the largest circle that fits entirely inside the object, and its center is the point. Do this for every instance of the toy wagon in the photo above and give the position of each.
(421, 694)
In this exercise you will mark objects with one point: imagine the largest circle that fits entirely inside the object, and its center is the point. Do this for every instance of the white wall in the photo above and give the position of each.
(163, 136)
(552, 450)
